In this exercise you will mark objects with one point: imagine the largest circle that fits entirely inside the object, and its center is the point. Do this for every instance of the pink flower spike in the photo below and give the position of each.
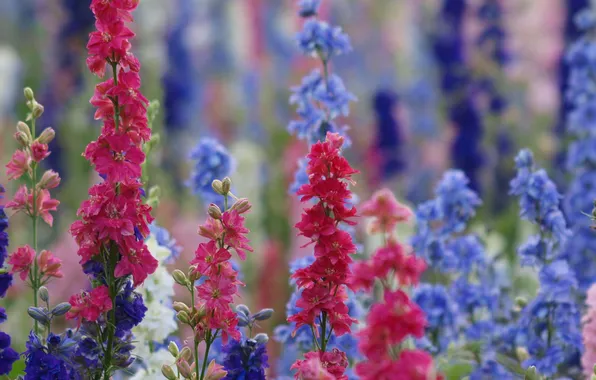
(39, 151)
(18, 165)
(21, 261)
(49, 265)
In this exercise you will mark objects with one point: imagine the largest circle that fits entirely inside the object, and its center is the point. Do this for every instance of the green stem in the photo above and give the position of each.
(112, 259)
(323, 332)
(35, 274)
(196, 343)
(208, 342)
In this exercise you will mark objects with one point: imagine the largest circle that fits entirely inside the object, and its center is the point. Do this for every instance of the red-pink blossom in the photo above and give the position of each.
(386, 211)
(21, 261)
(322, 365)
(108, 40)
(23, 201)
(217, 292)
(19, 164)
(208, 256)
(136, 261)
(89, 305)
(49, 265)
(39, 151)
(118, 158)
(235, 233)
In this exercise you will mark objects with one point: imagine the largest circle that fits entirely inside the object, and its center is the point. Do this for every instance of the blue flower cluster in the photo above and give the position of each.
(245, 360)
(549, 326)
(461, 293)
(7, 355)
(52, 360)
(456, 83)
(581, 157)
(211, 161)
(297, 342)
(321, 97)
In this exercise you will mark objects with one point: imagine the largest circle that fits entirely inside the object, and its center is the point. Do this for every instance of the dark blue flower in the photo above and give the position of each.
(441, 314)
(245, 360)
(3, 316)
(5, 282)
(93, 268)
(308, 8)
(7, 355)
(130, 309)
(41, 364)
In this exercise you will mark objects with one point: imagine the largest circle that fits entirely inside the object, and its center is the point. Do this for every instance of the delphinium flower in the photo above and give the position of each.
(549, 326)
(388, 147)
(581, 159)
(323, 283)
(491, 42)
(394, 317)
(33, 266)
(211, 161)
(213, 283)
(160, 318)
(571, 33)
(7, 355)
(461, 294)
(296, 342)
(247, 358)
(321, 97)
(114, 220)
(466, 152)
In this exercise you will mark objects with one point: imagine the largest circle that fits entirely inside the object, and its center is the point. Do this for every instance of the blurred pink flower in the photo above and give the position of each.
(589, 333)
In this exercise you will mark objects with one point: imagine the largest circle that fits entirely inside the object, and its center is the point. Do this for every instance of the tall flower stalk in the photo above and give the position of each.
(33, 199)
(323, 283)
(322, 96)
(212, 283)
(114, 221)
(394, 317)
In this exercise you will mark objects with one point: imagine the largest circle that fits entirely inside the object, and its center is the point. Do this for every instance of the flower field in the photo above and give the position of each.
(297, 189)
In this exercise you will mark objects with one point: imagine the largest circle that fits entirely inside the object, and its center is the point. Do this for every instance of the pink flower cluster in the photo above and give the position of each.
(589, 333)
(114, 220)
(225, 231)
(22, 260)
(89, 305)
(321, 366)
(35, 202)
(323, 283)
(391, 321)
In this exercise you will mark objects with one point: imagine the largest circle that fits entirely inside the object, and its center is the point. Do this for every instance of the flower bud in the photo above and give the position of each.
(521, 302)
(46, 136)
(168, 372)
(214, 211)
(61, 309)
(39, 314)
(154, 192)
(181, 306)
(173, 348)
(241, 206)
(183, 317)
(261, 338)
(193, 275)
(28, 93)
(263, 315)
(226, 185)
(531, 374)
(37, 110)
(243, 320)
(180, 277)
(185, 354)
(217, 186)
(49, 180)
(243, 309)
(44, 295)
(184, 368)
(522, 354)
(21, 138)
(24, 128)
